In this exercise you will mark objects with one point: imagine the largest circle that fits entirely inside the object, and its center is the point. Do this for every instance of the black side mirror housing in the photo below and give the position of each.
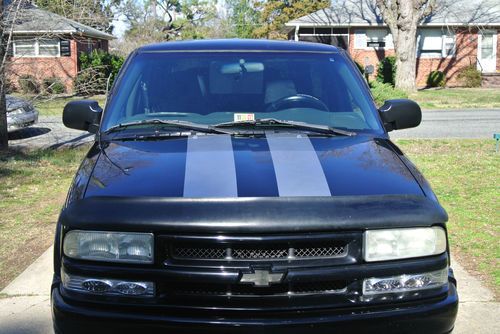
(82, 115)
(400, 114)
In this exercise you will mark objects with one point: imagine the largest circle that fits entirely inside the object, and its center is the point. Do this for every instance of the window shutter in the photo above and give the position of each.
(65, 48)
(360, 39)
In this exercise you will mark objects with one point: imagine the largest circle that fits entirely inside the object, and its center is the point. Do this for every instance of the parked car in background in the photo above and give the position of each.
(20, 113)
(241, 186)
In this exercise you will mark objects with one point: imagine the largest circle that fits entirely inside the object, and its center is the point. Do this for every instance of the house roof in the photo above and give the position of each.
(34, 20)
(345, 13)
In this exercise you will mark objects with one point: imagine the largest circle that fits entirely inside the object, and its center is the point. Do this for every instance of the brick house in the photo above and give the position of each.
(47, 45)
(463, 33)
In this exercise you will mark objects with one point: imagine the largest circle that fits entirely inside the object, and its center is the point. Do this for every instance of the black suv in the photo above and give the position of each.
(240, 186)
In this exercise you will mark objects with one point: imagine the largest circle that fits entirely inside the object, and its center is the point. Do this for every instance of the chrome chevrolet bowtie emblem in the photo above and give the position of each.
(262, 278)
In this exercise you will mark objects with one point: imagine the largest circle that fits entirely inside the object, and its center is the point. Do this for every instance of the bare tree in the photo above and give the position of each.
(403, 18)
(8, 17)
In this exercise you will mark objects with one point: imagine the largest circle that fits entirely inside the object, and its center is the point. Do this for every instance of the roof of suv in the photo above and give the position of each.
(239, 44)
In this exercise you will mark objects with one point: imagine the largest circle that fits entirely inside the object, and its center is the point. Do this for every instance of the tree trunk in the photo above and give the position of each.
(403, 17)
(4, 137)
(406, 60)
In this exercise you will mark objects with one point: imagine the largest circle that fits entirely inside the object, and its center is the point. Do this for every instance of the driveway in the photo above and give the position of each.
(25, 303)
(480, 123)
(49, 132)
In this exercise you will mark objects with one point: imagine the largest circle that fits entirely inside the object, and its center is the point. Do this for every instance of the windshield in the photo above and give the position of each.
(219, 87)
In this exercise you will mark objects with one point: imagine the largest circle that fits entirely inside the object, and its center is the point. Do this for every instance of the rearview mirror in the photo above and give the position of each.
(82, 115)
(400, 114)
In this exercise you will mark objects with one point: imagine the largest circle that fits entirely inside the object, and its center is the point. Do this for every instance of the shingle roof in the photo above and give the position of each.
(365, 12)
(34, 20)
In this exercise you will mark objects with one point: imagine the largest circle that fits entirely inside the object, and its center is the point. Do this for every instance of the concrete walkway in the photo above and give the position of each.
(25, 303)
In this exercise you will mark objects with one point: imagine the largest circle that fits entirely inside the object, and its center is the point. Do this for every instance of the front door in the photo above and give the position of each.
(487, 51)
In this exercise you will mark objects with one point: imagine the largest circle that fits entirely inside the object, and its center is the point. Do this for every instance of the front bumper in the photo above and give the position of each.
(21, 121)
(432, 316)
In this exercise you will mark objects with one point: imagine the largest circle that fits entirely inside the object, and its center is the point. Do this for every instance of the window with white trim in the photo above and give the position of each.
(37, 48)
(373, 38)
(435, 43)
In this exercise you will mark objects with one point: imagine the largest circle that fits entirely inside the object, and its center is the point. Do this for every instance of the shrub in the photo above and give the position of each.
(96, 67)
(470, 76)
(53, 85)
(384, 91)
(28, 84)
(386, 72)
(436, 79)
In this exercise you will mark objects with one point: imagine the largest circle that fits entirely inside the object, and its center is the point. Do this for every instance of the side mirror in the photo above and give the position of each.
(82, 115)
(400, 114)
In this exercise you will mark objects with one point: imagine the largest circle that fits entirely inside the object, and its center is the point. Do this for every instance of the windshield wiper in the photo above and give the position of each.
(324, 129)
(175, 123)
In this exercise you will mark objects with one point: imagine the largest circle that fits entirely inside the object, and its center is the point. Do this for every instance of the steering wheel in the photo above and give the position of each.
(297, 99)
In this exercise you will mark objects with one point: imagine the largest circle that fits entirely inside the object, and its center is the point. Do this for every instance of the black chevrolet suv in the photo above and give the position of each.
(248, 187)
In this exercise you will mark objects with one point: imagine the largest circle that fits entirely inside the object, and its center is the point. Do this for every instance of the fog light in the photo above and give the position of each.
(131, 288)
(405, 283)
(107, 287)
(95, 285)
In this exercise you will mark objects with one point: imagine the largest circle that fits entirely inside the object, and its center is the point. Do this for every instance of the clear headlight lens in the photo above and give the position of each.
(405, 283)
(392, 244)
(109, 246)
(107, 286)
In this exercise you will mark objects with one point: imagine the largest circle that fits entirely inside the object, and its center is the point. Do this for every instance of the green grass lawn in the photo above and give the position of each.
(465, 176)
(33, 187)
(457, 98)
(463, 173)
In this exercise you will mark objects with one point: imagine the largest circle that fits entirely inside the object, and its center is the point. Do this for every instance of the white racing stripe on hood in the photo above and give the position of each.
(297, 167)
(210, 169)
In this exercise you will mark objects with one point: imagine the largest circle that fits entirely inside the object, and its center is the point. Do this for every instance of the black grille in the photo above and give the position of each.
(255, 252)
(250, 290)
(259, 253)
(320, 252)
(199, 253)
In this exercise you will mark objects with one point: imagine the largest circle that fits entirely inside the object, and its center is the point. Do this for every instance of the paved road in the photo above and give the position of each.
(25, 307)
(454, 124)
(51, 133)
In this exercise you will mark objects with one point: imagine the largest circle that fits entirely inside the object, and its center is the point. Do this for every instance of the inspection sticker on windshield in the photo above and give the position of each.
(240, 117)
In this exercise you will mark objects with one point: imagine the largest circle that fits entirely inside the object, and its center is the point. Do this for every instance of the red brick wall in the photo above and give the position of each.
(466, 52)
(64, 68)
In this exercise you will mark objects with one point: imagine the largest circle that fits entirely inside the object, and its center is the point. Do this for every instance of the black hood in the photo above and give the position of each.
(278, 165)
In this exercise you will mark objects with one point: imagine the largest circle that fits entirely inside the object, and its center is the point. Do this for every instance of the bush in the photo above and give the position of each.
(28, 84)
(436, 79)
(53, 86)
(96, 67)
(384, 91)
(470, 76)
(386, 72)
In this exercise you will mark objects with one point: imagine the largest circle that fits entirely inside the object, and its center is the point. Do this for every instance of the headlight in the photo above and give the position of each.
(392, 244)
(405, 283)
(109, 246)
(17, 111)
